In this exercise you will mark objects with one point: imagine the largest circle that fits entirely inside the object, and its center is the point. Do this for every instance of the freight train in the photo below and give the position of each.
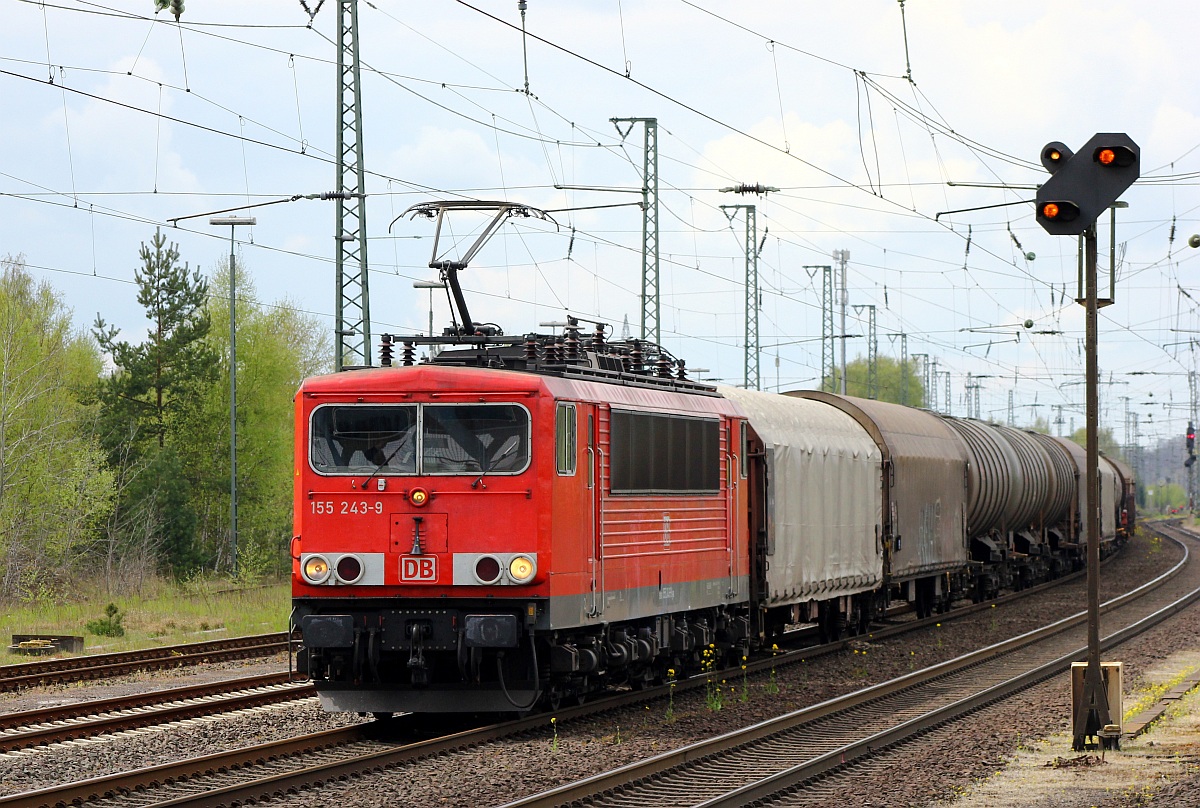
(519, 521)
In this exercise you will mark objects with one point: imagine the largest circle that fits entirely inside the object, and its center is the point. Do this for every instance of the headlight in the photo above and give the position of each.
(418, 497)
(521, 569)
(487, 570)
(349, 569)
(316, 569)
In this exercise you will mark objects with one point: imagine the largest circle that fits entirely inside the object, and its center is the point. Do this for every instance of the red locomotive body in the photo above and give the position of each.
(469, 539)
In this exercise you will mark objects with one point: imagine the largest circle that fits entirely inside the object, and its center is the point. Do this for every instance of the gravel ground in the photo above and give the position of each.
(941, 767)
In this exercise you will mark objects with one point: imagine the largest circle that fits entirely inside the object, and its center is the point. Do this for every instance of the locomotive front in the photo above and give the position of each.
(417, 574)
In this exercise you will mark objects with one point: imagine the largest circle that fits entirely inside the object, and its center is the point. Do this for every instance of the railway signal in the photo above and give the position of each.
(1084, 184)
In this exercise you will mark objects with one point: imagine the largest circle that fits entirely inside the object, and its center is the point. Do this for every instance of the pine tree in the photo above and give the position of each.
(158, 378)
(151, 395)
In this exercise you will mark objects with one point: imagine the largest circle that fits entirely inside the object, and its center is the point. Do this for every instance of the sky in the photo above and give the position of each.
(881, 123)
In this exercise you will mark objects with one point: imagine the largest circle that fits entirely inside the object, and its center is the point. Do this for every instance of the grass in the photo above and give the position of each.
(1148, 694)
(163, 613)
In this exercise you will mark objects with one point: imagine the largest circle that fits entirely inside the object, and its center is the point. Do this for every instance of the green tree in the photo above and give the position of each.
(892, 379)
(1164, 496)
(148, 401)
(161, 376)
(1040, 424)
(1104, 439)
(54, 488)
(277, 347)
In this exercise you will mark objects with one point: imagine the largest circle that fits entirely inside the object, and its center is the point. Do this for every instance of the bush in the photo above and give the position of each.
(109, 625)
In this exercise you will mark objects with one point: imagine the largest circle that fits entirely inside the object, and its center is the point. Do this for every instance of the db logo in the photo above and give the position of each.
(419, 568)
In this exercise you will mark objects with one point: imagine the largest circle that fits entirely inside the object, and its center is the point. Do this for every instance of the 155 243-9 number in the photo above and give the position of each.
(346, 506)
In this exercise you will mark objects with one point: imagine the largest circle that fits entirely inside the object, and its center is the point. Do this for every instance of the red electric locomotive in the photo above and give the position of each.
(470, 538)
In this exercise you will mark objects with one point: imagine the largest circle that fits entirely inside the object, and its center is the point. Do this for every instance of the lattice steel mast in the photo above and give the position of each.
(352, 322)
(651, 308)
(872, 351)
(752, 380)
(924, 379)
(903, 366)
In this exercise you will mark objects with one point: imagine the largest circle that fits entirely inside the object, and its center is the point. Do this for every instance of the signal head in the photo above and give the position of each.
(1088, 186)
(1055, 155)
(1114, 156)
(1057, 211)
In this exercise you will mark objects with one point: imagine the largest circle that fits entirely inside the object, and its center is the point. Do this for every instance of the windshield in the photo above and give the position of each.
(363, 438)
(474, 439)
(453, 439)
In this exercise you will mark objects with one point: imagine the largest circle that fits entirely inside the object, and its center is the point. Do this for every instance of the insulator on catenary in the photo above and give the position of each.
(662, 367)
(598, 338)
(572, 340)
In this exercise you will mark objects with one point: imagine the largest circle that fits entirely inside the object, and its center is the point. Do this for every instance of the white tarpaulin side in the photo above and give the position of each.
(825, 504)
(1109, 497)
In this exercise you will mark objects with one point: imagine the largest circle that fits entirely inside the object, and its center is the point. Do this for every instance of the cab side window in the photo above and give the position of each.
(565, 433)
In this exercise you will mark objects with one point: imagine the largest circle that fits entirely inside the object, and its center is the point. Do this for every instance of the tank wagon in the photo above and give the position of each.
(527, 520)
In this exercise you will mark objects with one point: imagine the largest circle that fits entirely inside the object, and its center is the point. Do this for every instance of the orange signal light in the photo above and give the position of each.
(1114, 156)
(1058, 211)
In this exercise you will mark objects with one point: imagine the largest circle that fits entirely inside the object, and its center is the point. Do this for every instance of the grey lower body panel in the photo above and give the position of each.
(620, 605)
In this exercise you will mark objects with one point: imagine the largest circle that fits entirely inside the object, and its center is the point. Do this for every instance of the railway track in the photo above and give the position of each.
(21, 730)
(256, 773)
(100, 666)
(774, 759)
